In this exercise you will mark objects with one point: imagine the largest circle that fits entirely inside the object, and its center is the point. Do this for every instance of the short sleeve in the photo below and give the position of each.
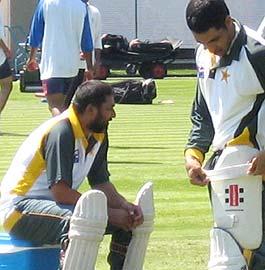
(58, 153)
(37, 27)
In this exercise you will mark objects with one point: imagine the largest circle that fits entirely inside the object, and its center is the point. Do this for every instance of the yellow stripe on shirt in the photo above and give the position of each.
(11, 220)
(31, 174)
(242, 139)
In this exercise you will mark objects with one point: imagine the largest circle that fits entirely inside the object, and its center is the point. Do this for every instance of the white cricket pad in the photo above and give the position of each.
(225, 253)
(87, 228)
(140, 236)
(237, 197)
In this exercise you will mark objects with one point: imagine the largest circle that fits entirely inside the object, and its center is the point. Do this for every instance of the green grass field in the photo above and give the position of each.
(146, 143)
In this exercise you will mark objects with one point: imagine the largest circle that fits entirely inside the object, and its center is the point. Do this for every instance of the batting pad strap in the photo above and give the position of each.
(118, 248)
(248, 255)
(195, 153)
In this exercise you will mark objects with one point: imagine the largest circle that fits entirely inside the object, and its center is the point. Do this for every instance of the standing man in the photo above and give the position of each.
(42, 182)
(60, 28)
(83, 73)
(5, 71)
(229, 106)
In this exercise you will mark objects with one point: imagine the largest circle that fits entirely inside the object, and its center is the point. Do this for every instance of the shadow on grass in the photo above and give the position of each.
(11, 134)
(135, 162)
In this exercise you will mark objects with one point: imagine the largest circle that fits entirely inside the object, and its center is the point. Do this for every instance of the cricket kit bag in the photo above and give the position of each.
(134, 91)
(114, 43)
(139, 46)
(236, 199)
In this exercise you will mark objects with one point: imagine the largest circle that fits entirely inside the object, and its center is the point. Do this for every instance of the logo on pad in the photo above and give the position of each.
(235, 195)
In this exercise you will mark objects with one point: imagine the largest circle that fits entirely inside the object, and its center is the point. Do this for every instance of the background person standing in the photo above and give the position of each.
(83, 73)
(60, 28)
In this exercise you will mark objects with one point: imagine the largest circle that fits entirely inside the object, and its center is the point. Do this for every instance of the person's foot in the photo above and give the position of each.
(44, 100)
(40, 94)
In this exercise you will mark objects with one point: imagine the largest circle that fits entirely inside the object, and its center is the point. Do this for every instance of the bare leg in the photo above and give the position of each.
(56, 103)
(6, 87)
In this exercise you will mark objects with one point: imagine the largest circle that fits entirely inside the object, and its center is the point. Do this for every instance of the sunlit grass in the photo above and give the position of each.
(146, 143)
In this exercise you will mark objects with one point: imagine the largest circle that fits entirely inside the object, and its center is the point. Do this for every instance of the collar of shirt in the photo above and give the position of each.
(237, 29)
(238, 42)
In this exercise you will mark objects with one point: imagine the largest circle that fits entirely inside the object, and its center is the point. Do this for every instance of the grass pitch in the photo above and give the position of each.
(146, 143)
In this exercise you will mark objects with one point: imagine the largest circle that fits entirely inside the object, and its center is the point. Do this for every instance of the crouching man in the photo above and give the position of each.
(39, 191)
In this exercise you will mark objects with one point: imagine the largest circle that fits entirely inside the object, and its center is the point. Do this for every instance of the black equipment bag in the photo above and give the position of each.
(134, 91)
(114, 43)
(147, 47)
(30, 81)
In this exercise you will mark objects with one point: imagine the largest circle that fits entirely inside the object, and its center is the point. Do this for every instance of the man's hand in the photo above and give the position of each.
(135, 213)
(195, 172)
(32, 65)
(257, 164)
(120, 218)
(121, 213)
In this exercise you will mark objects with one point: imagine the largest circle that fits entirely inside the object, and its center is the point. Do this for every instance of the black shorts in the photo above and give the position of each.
(5, 70)
(57, 85)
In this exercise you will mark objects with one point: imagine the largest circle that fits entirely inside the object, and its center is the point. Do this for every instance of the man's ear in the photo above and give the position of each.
(91, 111)
(228, 22)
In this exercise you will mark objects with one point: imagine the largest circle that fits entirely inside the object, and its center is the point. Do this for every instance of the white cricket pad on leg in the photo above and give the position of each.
(225, 253)
(237, 197)
(137, 248)
(87, 228)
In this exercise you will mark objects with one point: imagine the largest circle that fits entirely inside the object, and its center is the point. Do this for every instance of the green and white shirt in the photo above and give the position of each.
(57, 150)
(229, 105)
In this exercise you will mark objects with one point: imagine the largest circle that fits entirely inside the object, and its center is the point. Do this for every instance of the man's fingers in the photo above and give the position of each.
(199, 182)
(198, 177)
(252, 166)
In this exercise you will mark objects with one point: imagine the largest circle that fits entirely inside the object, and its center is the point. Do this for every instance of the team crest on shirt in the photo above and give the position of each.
(76, 156)
(225, 75)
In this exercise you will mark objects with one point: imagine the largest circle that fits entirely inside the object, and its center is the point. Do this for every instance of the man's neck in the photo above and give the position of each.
(234, 33)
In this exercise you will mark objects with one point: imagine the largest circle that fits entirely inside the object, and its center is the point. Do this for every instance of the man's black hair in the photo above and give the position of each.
(201, 15)
(91, 92)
